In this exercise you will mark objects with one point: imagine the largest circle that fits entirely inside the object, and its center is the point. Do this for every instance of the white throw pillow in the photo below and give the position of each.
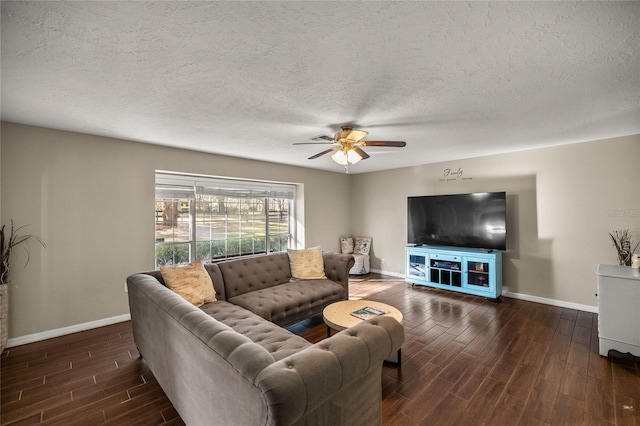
(362, 245)
(346, 245)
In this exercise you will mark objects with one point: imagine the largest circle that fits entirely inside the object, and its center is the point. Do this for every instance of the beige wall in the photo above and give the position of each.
(91, 199)
(561, 203)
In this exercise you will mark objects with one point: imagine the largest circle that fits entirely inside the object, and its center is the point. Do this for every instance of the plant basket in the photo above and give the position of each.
(4, 315)
(8, 242)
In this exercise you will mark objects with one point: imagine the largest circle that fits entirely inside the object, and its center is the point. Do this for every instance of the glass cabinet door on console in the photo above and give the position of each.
(478, 273)
(417, 266)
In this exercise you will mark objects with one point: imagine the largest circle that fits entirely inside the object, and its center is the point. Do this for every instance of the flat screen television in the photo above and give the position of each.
(476, 220)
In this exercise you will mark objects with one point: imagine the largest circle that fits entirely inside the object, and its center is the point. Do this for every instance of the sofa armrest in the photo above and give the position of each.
(337, 266)
(196, 358)
(318, 381)
(150, 304)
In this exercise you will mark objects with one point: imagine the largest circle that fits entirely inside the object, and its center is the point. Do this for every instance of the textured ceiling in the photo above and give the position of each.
(453, 79)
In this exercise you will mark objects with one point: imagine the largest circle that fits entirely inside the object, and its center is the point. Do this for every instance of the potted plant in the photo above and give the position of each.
(622, 241)
(7, 244)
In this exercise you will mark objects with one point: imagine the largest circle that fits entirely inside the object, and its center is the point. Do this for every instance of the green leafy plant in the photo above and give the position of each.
(8, 243)
(622, 241)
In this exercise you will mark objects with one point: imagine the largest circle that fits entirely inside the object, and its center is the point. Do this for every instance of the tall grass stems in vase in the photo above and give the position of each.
(7, 244)
(622, 241)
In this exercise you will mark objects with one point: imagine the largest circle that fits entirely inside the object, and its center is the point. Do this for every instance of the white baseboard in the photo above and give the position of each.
(552, 302)
(36, 337)
(527, 297)
(392, 274)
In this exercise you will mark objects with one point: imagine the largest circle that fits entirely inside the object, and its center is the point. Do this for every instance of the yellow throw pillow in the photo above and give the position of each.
(307, 264)
(192, 282)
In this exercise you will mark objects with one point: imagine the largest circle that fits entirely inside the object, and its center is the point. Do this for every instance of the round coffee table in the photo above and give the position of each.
(338, 316)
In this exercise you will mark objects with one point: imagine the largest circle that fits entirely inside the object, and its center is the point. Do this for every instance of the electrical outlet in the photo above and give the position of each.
(126, 289)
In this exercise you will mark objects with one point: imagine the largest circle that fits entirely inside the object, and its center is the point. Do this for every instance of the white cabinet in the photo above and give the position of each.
(618, 309)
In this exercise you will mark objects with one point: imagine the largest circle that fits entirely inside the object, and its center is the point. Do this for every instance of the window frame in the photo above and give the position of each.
(181, 188)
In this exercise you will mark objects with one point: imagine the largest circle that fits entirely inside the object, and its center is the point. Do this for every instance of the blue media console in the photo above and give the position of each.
(463, 270)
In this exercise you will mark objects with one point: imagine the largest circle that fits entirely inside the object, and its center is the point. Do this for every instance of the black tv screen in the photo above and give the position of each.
(476, 220)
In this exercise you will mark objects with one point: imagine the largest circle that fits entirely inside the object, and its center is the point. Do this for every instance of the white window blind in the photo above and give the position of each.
(171, 185)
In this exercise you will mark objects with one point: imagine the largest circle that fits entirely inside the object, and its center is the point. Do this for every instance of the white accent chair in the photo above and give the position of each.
(359, 247)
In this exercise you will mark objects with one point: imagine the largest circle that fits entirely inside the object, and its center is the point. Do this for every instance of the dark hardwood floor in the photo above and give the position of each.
(465, 361)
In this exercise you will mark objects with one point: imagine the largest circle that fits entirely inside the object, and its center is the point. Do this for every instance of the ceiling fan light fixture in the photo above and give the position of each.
(353, 157)
(340, 158)
(343, 158)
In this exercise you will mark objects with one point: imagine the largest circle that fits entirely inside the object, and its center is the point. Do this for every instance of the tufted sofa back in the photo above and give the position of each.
(242, 275)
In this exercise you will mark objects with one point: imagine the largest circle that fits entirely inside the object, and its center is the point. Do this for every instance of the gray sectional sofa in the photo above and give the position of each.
(229, 362)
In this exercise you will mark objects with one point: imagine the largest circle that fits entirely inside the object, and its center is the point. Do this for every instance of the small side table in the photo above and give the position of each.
(338, 316)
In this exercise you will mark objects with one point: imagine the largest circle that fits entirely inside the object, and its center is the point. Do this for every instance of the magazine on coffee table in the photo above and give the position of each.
(368, 312)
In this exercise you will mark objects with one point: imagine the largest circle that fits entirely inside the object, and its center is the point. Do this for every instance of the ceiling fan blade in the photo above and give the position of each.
(398, 144)
(361, 153)
(324, 137)
(320, 154)
(313, 143)
(356, 135)
(350, 134)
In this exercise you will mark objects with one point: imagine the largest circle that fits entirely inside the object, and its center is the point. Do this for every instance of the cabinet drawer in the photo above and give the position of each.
(445, 257)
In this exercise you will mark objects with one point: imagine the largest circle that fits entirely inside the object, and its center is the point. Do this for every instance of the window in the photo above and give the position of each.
(209, 218)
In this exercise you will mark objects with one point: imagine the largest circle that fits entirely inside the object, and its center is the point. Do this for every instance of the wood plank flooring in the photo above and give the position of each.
(466, 361)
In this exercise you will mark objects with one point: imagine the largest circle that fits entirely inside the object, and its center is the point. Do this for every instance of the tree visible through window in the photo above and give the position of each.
(199, 218)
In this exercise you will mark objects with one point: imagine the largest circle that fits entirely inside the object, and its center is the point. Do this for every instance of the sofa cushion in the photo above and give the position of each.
(279, 342)
(291, 302)
(307, 264)
(191, 282)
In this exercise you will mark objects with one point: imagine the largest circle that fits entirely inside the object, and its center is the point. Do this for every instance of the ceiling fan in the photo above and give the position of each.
(347, 145)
